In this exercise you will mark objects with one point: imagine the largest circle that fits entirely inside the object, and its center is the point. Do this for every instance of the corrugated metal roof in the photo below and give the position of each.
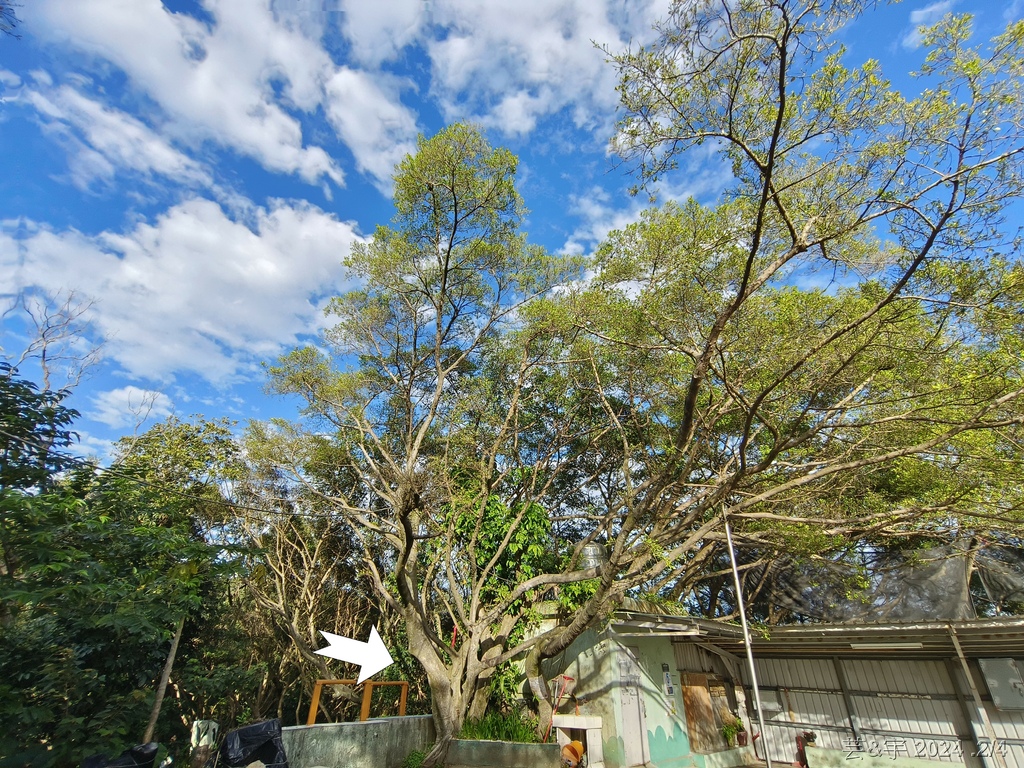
(980, 638)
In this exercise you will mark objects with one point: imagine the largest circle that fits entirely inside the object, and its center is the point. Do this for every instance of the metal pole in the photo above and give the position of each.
(746, 640)
(996, 756)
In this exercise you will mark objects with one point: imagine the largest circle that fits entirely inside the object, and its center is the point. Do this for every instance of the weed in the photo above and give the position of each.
(514, 725)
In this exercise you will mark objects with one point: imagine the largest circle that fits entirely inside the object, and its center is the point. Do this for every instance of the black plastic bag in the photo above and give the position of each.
(141, 756)
(259, 741)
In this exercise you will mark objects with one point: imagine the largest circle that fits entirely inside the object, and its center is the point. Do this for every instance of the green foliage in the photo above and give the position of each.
(731, 727)
(513, 725)
(520, 537)
(34, 429)
(99, 566)
(506, 686)
(415, 758)
(571, 596)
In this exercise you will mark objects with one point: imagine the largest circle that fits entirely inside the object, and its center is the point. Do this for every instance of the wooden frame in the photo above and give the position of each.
(368, 686)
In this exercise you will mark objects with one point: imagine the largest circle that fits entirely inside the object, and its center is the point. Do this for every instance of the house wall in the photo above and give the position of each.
(589, 661)
(904, 708)
(1008, 725)
(668, 743)
(621, 680)
(893, 709)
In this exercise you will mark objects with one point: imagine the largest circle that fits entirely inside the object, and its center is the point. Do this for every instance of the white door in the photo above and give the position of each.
(634, 722)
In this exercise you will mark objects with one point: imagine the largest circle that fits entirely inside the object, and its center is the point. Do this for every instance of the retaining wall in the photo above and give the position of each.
(465, 753)
(381, 743)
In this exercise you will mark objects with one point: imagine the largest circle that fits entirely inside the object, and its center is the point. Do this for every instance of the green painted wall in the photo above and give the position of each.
(590, 661)
(667, 740)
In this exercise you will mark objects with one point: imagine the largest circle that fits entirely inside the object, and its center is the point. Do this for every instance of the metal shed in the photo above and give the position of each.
(941, 691)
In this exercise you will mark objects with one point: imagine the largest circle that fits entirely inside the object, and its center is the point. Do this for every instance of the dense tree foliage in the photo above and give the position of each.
(98, 569)
(100, 565)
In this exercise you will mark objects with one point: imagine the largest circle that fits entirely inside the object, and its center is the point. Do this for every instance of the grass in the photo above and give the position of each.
(415, 758)
(497, 726)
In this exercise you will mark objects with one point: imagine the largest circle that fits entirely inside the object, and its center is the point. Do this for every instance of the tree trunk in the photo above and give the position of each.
(478, 704)
(539, 686)
(445, 701)
(161, 687)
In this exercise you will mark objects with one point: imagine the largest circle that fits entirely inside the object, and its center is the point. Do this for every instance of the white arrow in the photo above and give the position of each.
(371, 656)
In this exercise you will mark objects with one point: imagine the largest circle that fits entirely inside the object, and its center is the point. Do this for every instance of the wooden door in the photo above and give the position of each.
(703, 730)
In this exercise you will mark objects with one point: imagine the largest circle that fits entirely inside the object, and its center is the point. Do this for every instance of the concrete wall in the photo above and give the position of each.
(667, 739)
(382, 743)
(590, 661)
(472, 753)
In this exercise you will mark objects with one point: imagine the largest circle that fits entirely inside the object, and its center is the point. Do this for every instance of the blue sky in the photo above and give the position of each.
(194, 171)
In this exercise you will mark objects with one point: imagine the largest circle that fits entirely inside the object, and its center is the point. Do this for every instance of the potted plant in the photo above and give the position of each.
(732, 728)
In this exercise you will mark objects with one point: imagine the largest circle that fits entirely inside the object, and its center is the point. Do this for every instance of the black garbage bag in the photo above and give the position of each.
(141, 756)
(259, 741)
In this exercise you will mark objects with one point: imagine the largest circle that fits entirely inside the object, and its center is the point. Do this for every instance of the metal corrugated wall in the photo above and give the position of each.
(1008, 726)
(900, 708)
(801, 695)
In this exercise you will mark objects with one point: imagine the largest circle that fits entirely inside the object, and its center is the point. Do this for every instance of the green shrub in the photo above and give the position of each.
(515, 725)
(731, 727)
(415, 758)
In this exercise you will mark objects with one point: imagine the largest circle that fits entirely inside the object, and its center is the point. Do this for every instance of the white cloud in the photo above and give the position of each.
(508, 63)
(214, 82)
(373, 124)
(598, 217)
(247, 78)
(379, 31)
(925, 17)
(8, 79)
(130, 406)
(92, 447)
(244, 80)
(102, 141)
(194, 291)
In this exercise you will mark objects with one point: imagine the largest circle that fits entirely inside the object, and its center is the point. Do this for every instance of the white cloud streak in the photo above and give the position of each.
(509, 63)
(102, 141)
(194, 291)
(244, 81)
(924, 17)
(214, 83)
(371, 122)
(129, 406)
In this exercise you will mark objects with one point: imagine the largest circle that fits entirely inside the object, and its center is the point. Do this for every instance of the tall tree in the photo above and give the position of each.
(101, 566)
(427, 460)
